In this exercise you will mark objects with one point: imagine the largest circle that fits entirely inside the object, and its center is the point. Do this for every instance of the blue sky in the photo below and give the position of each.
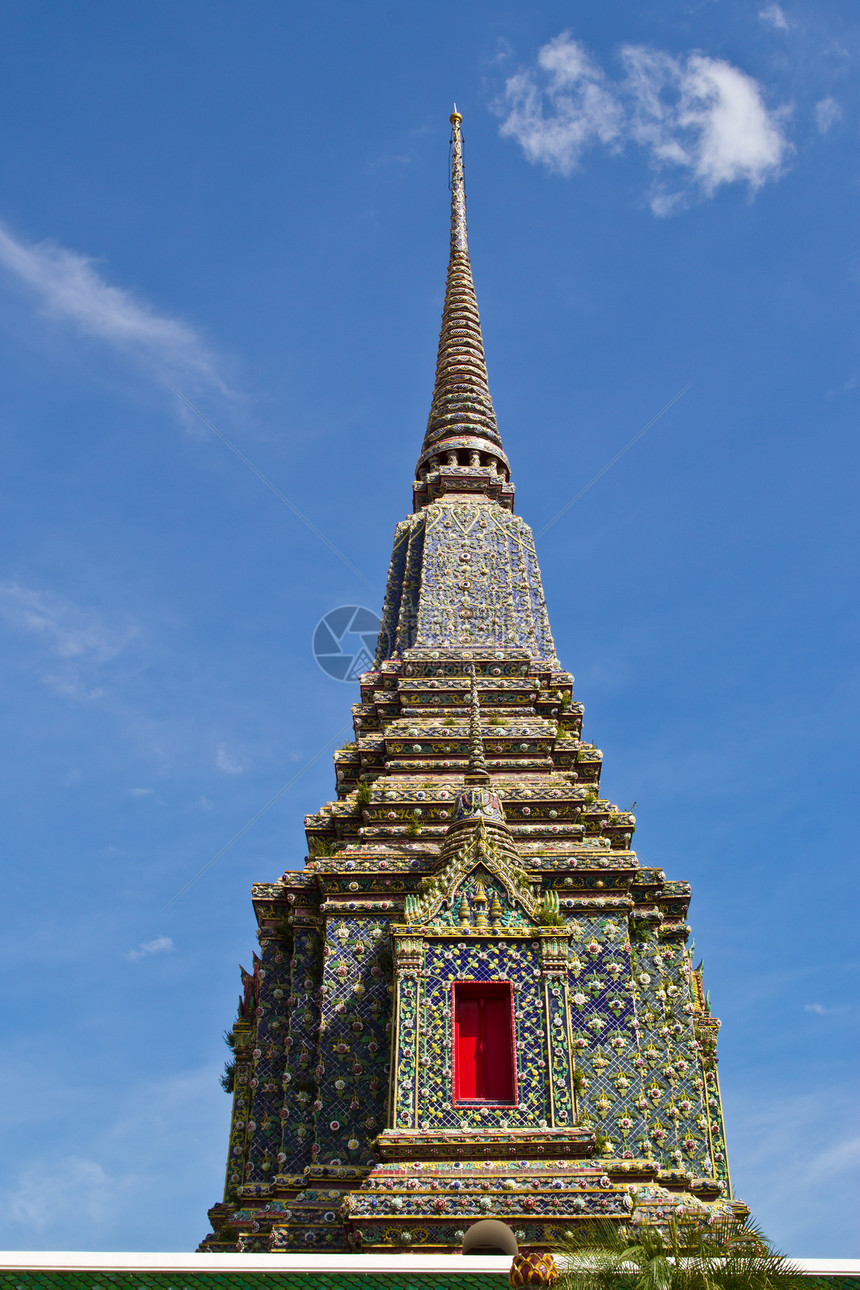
(249, 202)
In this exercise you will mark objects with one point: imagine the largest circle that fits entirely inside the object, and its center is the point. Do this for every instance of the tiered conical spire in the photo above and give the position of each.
(462, 419)
(463, 572)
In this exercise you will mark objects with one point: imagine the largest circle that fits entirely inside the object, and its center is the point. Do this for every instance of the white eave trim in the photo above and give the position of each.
(457, 1264)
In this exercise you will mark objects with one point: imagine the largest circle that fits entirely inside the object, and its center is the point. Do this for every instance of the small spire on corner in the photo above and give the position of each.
(477, 772)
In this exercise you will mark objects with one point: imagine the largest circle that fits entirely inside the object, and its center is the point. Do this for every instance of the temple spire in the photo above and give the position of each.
(477, 772)
(461, 429)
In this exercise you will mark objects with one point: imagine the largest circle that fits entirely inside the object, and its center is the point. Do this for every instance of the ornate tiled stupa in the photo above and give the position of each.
(473, 1002)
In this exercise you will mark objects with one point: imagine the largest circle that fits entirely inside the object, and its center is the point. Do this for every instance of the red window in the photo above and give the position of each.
(483, 1042)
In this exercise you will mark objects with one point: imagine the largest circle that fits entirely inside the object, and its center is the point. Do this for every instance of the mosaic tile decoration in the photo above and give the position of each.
(468, 841)
(465, 574)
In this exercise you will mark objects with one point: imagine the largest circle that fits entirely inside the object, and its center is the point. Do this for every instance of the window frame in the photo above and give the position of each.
(499, 988)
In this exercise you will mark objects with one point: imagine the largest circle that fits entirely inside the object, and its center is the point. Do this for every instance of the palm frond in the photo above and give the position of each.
(728, 1254)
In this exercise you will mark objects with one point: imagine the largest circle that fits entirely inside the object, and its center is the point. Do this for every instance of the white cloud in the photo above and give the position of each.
(734, 138)
(821, 1011)
(775, 17)
(827, 113)
(562, 110)
(71, 288)
(699, 117)
(161, 945)
(226, 761)
(141, 792)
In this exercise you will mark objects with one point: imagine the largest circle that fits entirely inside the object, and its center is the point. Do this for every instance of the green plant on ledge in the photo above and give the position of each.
(363, 796)
(548, 912)
(228, 1079)
(320, 848)
(285, 934)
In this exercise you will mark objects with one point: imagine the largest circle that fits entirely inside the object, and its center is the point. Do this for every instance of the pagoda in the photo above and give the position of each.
(474, 1020)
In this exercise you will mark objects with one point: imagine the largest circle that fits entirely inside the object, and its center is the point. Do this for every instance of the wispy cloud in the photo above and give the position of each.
(161, 945)
(821, 1011)
(72, 632)
(701, 118)
(71, 288)
(154, 1143)
(81, 638)
(227, 761)
(774, 16)
(827, 113)
(777, 1138)
(75, 1186)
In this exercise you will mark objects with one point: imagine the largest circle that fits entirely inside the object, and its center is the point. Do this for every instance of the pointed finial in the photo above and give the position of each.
(477, 772)
(459, 237)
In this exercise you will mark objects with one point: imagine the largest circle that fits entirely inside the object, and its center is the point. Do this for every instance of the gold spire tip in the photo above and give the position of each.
(456, 117)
